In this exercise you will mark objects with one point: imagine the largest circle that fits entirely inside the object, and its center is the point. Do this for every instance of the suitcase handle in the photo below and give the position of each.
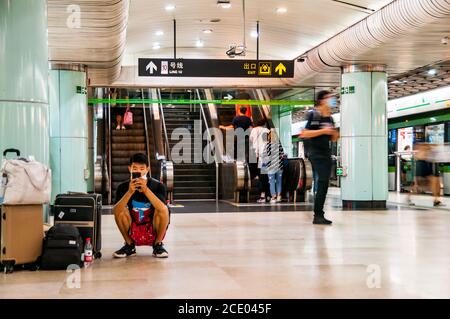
(11, 150)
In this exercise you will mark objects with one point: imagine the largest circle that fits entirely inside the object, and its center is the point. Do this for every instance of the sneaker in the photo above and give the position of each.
(278, 199)
(321, 221)
(273, 201)
(118, 127)
(437, 203)
(123, 128)
(125, 251)
(159, 251)
(261, 200)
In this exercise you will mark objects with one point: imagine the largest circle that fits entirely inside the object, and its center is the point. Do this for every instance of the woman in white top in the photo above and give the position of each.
(258, 138)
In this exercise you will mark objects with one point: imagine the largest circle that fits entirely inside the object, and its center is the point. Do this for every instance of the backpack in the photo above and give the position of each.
(307, 142)
(63, 246)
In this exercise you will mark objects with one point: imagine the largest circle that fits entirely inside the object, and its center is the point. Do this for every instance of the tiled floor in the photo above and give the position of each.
(399, 253)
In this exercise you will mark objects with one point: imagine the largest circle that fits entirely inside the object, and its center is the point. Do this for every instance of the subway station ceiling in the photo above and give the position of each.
(404, 34)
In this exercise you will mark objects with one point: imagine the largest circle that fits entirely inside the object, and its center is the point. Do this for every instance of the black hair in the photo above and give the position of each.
(139, 158)
(243, 109)
(321, 96)
(260, 122)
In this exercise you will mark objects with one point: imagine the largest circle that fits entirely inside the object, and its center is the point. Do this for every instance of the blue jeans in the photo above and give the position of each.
(275, 182)
(316, 182)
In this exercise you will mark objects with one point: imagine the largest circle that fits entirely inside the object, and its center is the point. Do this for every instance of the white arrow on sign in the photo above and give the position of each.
(152, 67)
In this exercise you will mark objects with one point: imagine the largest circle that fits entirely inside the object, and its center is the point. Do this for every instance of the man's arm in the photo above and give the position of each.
(335, 136)
(122, 203)
(314, 133)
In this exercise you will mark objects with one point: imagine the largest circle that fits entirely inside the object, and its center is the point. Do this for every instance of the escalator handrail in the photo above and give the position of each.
(147, 145)
(203, 115)
(109, 150)
(166, 138)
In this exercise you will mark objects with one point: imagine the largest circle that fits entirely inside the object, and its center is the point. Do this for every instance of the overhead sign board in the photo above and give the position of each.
(216, 68)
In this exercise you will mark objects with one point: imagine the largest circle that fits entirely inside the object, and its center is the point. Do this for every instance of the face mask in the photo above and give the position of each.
(332, 102)
(144, 177)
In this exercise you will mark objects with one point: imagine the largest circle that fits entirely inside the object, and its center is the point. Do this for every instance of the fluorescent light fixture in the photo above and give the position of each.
(432, 72)
(199, 43)
(254, 34)
(156, 46)
(170, 7)
(159, 33)
(225, 4)
(207, 31)
(281, 10)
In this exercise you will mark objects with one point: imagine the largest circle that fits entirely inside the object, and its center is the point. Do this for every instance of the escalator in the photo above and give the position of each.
(141, 137)
(125, 143)
(239, 179)
(192, 181)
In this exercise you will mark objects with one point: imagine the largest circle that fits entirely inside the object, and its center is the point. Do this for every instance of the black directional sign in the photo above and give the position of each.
(216, 68)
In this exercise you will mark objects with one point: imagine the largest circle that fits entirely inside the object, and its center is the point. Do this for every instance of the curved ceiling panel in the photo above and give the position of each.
(404, 29)
(89, 32)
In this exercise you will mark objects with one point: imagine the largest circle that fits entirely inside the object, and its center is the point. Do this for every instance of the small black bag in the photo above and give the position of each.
(63, 246)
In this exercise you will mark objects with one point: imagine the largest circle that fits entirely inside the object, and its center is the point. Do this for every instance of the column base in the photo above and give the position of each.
(363, 204)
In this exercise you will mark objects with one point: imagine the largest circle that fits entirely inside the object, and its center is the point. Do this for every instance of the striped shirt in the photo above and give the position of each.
(272, 158)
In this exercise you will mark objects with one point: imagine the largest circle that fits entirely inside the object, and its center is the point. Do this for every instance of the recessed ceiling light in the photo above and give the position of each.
(432, 72)
(281, 10)
(254, 34)
(170, 7)
(225, 4)
(207, 31)
(159, 33)
(156, 46)
(199, 43)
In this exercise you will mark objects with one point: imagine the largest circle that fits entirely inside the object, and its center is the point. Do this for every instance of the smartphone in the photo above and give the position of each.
(135, 175)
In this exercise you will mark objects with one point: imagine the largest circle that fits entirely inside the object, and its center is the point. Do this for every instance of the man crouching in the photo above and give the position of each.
(141, 202)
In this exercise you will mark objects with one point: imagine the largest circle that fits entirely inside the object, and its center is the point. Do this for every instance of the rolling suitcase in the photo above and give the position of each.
(83, 211)
(21, 236)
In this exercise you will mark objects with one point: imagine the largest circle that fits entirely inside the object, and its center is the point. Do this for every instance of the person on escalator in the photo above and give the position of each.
(240, 121)
(258, 139)
(140, 211)
(321, 131)
(248, 112)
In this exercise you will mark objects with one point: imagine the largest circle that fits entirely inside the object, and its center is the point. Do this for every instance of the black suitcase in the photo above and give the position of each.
(63, 246)
(83, 211)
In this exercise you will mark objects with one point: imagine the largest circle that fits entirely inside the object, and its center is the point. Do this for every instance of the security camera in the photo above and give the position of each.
(236, 50)
(444, 40)
(301, 59)
(231, 52)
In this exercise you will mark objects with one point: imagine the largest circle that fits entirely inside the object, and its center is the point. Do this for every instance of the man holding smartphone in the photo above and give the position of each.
(320, 131)
(142, 194)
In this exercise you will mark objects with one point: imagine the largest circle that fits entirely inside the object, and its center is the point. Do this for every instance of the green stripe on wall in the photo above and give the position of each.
(413, 107)
(419, 121)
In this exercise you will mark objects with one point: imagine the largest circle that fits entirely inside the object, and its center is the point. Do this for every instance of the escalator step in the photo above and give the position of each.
(128, 132)
(128, 139)
(128, 147)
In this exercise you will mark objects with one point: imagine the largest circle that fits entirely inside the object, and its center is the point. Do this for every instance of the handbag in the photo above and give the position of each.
(28, 182)
(128, 117)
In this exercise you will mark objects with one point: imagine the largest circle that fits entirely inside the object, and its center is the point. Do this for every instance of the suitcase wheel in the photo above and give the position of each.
(98, 255)
(8, 267)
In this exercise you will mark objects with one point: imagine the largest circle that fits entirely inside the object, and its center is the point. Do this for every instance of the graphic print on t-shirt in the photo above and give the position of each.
(141, 211)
